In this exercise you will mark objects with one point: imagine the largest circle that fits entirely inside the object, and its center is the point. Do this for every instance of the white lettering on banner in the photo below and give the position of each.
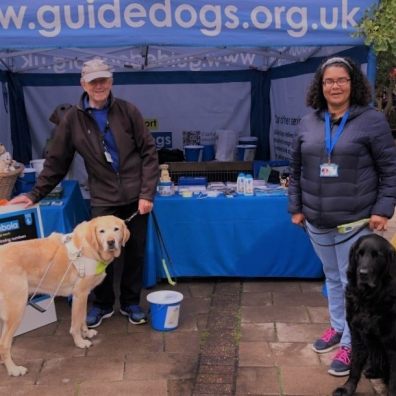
(171, 59)
(211, 20)
(9, 226)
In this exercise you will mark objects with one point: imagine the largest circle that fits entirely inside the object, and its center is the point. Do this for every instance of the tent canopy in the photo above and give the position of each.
(276, 31)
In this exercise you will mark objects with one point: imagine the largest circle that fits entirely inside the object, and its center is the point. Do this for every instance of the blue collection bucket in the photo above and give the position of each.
(246, 152)
(164, 309)
(193, 153)
(248, 140)
(208, 152)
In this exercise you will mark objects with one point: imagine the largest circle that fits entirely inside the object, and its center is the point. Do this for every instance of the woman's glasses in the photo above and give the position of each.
(341, 82)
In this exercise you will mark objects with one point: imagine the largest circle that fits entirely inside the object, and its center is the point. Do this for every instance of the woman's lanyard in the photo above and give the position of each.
(330, 143)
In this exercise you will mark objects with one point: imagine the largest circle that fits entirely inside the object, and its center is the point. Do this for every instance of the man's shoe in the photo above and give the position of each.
(96, 315)
(341, 364)
(328, 341)
(135, 313)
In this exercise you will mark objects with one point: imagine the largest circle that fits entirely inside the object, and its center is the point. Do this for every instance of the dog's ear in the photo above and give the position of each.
(353, 261)
(391, 257)
(125, 234)
(91, 236)
(78, 235)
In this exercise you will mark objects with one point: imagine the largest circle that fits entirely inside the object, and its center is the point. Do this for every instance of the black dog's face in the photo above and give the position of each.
(371, 259)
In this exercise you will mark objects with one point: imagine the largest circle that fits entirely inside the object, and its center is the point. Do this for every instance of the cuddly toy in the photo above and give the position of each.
(7, 164)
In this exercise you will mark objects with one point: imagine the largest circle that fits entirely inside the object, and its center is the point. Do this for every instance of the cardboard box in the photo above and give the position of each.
(33, 319)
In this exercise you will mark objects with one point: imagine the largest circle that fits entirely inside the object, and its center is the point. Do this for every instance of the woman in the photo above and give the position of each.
(343, 170)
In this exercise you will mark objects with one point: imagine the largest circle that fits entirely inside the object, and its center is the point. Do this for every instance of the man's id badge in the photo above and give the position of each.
(329, 170)
(108, 157)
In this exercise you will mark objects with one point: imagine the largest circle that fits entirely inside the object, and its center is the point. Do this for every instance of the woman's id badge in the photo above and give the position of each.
(329, 170)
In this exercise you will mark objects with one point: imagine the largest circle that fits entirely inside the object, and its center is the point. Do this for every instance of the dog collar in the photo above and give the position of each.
(85, 266)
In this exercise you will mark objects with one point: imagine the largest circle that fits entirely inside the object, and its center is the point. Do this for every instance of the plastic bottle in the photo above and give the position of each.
(248, 185)
(241, 183)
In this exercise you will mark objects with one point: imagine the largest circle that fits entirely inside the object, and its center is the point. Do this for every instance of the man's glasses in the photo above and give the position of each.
(341, 82)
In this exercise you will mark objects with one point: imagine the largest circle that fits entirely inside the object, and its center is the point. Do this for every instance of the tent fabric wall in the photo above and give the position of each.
(258, 82)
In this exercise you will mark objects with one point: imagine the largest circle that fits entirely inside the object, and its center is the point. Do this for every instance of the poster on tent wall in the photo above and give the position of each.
(287, 98)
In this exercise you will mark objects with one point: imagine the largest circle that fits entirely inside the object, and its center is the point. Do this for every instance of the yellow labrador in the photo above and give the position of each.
(59, 264)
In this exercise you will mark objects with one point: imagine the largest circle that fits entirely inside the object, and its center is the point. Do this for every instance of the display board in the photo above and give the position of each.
(18, 224)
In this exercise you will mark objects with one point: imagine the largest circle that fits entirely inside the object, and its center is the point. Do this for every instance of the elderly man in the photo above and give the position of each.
(122, 165)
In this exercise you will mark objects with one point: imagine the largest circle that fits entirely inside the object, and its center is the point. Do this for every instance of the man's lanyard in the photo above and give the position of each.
(330, 143)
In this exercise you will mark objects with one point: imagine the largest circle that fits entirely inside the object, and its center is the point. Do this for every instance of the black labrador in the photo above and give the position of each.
(371, 312)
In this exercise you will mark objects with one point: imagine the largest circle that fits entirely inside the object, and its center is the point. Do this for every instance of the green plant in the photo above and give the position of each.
(378, 29)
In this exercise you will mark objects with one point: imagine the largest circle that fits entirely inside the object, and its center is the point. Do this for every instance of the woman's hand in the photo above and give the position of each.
(378, 223)
(298, 219)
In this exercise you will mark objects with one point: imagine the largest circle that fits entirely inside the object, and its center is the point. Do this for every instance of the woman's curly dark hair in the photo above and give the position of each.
(360, 87)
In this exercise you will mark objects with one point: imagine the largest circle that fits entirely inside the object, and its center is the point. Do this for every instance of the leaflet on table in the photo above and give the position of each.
(270, 189)
(190, 188)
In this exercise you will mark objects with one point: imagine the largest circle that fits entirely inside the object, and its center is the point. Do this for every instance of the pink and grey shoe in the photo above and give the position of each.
(328, 341)
(341, 364)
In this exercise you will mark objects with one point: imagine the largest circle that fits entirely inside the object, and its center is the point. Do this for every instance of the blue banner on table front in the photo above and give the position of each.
(244, 237)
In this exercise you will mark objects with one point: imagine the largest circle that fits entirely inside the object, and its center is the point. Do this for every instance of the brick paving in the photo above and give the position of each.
(218, 359)
(235, 337)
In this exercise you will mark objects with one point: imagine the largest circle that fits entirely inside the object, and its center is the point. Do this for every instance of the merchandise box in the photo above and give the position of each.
(33, 319)
(18, 224)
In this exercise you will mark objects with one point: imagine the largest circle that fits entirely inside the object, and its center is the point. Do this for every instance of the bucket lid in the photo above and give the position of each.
(164, 297)
(246, 146)
(248, 138)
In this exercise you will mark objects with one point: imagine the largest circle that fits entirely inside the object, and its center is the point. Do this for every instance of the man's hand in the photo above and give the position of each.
(21, 199)
(144, 206)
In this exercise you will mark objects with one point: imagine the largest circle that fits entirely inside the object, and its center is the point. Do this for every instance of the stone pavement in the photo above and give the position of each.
(235, 337)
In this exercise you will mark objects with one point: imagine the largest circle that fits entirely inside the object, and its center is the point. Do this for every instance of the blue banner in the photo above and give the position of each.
(247, 23)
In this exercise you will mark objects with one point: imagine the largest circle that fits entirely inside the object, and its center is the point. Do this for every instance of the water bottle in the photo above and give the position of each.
(248, 185)
(241, 183)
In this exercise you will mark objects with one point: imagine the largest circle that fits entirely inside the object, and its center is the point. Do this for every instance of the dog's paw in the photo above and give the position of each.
(83, 343)
(16, 371)
(89, 333)
(379, 387)
(341, 391)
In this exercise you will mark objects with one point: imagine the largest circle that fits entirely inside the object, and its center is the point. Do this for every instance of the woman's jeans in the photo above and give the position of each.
(335, 264)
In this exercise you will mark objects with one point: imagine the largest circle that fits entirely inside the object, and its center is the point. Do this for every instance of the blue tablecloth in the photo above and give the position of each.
(229, 237)
(73, 210)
